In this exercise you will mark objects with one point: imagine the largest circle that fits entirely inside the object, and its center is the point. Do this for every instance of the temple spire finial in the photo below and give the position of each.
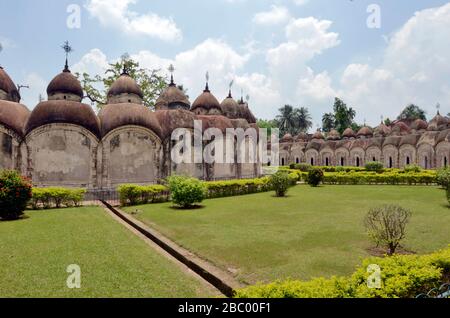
(171, 69)
(230, 86)
(207, 82)
(125, 60)
(68, 49)
(438, 107)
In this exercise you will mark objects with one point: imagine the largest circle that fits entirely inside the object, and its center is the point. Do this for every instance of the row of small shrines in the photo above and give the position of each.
(63, 142)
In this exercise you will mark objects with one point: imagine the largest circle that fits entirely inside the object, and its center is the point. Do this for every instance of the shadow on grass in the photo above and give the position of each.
(21, 218)
(191, 208)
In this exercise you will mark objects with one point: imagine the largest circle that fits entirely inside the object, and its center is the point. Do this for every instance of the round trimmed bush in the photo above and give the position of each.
(443, 177)
(280, 182)
(315, 177)
(15, 192)
(374, 166)
(186, 192)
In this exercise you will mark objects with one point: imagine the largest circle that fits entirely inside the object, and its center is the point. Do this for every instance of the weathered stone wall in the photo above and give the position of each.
(10, 157)
(62, 155)
(131, 154)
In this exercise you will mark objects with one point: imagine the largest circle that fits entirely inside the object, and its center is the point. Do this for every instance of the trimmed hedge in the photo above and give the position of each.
(131, 194)
(56, 197)
(402, 276)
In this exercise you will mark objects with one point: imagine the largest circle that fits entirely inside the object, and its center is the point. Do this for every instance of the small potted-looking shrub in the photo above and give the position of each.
(280, 182)
(315, 176)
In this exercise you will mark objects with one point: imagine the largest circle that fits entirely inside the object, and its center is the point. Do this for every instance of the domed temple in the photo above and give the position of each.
(64, 142)
(402, 143)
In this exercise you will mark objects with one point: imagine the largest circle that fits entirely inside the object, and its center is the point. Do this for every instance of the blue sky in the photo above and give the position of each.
(287, 51)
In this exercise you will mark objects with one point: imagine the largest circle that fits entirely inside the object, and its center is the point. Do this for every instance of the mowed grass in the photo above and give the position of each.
(35, 253)
(312, 233)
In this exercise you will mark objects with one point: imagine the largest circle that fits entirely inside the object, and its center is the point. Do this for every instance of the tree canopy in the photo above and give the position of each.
(341, 118)
(412, 112)
(96, 86)
(293, 120)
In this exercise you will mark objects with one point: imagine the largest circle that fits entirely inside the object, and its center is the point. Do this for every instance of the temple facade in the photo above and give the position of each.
(63, 142)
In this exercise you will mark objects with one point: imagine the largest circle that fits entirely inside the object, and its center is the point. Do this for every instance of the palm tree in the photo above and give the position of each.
(303, 120)
(286, 120)
(328, 122)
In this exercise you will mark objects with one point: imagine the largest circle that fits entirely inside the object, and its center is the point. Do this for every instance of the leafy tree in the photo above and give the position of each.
(303, 119)
(343, 115)
(387, 122)
(412, 112)
(293, 120)
(328, 122)
(150, 81)
(267, 124)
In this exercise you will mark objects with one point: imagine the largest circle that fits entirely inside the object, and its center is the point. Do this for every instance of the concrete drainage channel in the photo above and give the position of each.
(224, 282)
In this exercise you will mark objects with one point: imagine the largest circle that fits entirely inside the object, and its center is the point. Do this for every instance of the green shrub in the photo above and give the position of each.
(186, 192)
(132, 194)
(412, 168)
(56, 197)
(375, 166)
(280, 182)
(15, 192)
(304, 167)
(315, 177)
(443, 177)
(402, 276)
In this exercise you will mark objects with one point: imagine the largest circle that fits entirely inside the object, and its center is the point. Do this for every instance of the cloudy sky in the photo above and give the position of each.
(299, 52)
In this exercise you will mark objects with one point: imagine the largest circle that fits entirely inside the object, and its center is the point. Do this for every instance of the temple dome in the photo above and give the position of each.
(287, 138)
(65, 86)
(8, 90)
(13, 116)
(400, 128)
(333, 135)
(230, 108)
(365, 132)
(419, 124)
(172, 98)
(318, 135)
(349, 133)
(382, 130)
(439, 122)
(125, 90)
(171, 119)
(113, 116)
(206, 104)
(63, 111)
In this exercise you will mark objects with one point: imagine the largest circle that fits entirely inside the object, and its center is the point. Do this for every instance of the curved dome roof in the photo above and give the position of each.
(349, 133)
(287, 138)
(8, 86)
(125, 84)
(419, 124)
(207, 101)
(65, 83)
(318, 135)
(443, 136)
(171, 119)
(301, 137)
(400, 128)
(63, 111)
(220, 122)
(113, 116)
(439, 122)
(14, 116)
(230, 108)
(382, 130)
(333, 135)
(172, 97)
(365, 132)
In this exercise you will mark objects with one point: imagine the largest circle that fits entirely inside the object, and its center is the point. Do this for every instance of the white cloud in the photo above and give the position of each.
(300, 2)
(116, 14)
(94, 62)
(38, 86)
(415, 69)
(276, 15)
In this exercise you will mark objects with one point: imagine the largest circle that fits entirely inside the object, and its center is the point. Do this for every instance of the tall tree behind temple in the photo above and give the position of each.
(343, 115)
(150, 81)
(293, 120)
(412, 112)
(328, 122)
(304, 120)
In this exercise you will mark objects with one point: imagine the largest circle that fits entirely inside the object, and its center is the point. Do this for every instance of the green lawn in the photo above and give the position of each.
(35, 253)
(314, 232)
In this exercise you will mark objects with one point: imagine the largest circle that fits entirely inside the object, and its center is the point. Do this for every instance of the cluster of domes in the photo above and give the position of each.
(124, 107)
(397, 129)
